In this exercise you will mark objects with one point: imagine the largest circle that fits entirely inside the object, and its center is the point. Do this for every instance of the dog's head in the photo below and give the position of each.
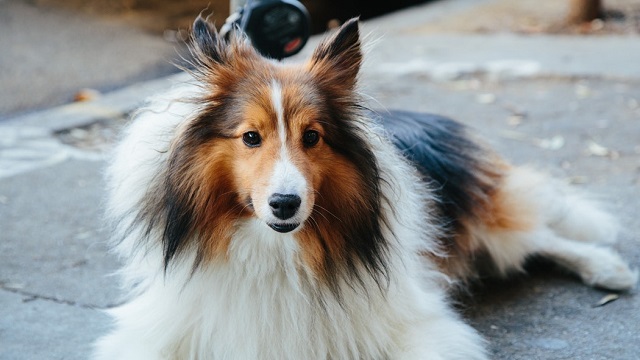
(280, 143)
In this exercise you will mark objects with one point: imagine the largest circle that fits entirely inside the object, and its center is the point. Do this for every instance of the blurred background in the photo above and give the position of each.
(552, 83)
(53, 49)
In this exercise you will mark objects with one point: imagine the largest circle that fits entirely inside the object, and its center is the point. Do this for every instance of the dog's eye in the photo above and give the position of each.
(310, 137)
(251, 139)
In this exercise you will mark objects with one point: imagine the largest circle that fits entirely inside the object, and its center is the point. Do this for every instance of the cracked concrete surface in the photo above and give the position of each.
(38, 329)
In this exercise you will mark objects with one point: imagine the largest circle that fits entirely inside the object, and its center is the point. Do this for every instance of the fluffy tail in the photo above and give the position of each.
(559, 224)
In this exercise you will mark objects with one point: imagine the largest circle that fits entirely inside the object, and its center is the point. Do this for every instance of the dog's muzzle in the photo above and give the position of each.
(284, 207)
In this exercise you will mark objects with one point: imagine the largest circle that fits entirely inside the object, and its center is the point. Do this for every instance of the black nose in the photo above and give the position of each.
(284, 206)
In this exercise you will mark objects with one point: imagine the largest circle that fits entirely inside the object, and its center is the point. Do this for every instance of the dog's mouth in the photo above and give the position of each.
(283, 228)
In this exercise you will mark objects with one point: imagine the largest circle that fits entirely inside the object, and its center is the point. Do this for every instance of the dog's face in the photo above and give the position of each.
(274, 133)
(280, 153)
(280, 143)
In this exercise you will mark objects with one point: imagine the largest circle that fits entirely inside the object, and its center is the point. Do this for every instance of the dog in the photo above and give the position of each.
(263, 212)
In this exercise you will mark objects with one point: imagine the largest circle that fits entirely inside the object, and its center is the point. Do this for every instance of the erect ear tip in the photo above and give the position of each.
(205, 40)
(339, 56)
(201, 28)
(352, 23)
(350, 28)
(345, 38)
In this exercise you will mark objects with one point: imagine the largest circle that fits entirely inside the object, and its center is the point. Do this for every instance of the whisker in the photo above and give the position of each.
(320, 207)
(314, 221)
(328, 212)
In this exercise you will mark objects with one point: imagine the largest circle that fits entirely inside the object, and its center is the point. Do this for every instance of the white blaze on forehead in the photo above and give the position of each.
(276, 101)
(286, 178)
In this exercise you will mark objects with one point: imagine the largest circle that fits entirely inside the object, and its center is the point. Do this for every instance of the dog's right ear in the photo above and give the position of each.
(206, 40)
(336, 61)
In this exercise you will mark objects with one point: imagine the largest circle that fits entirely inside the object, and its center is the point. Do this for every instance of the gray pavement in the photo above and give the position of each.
(48, 54)
(568, 105)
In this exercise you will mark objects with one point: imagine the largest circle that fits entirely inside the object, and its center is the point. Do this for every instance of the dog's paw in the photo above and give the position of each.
(609, 271)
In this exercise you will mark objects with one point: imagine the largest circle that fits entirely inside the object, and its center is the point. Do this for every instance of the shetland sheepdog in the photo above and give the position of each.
(263, 212)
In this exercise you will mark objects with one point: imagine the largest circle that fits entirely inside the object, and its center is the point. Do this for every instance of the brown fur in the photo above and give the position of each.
(335, 183)
(497, 209)
(220, 180)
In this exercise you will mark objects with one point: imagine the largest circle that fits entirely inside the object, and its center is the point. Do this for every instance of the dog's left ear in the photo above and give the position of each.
(338, 58)
(206, 40)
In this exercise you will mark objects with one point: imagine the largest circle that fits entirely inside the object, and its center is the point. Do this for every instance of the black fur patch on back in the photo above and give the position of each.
(460, 171)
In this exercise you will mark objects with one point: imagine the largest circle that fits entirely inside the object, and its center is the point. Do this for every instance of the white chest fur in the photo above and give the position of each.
(260, 304)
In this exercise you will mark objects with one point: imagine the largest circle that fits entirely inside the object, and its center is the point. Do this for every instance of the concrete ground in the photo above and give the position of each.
(569, 105)
(49, 54)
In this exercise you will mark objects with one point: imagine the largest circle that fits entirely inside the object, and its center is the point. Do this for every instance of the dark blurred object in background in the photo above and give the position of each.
(161, 15)
(277, 28)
